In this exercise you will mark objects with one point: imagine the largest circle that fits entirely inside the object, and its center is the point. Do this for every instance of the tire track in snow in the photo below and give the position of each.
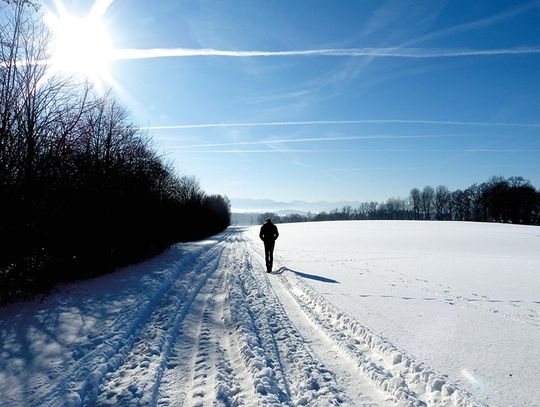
(80, 382)
(235, 387)
(233, 374)
(137, 372)
(213, 360)
(212, 379)
(178, 372)
(72, 381)
(199, 371)
(204, 358)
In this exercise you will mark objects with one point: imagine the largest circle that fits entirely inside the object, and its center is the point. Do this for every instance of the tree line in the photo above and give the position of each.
(82, 189)
(508, 200)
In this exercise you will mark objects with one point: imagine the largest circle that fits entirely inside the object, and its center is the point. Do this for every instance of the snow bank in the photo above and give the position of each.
(411, 383)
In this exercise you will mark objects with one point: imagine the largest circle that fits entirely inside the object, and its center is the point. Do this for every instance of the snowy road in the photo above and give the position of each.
(203, 324)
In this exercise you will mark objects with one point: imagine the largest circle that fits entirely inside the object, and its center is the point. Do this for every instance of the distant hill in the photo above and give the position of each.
(252, 218)
(246, 205)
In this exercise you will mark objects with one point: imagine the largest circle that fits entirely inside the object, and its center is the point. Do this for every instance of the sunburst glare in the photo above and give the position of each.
(80, 46)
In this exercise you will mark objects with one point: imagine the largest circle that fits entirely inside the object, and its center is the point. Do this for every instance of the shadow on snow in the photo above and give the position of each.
(306, 275)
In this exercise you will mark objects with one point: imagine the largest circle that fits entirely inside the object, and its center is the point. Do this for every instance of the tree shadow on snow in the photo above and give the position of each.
(306, 275)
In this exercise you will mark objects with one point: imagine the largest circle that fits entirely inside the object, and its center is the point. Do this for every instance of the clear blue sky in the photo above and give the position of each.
(434, 116)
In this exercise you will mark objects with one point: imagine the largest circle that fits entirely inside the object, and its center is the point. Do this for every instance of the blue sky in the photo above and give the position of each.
(426, 92)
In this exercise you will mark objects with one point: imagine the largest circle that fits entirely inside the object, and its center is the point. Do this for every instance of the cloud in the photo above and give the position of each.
(359, 169)
(391, 52)
(384, 17)
(338, 122)
(270, 142)
(423, 167)
(272, 149)
(474, 25)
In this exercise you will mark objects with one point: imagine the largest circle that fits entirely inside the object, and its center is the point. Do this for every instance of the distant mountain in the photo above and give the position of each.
(242, 205)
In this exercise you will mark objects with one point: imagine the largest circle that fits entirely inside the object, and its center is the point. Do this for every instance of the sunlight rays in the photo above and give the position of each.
(99, 8)
(80, 46)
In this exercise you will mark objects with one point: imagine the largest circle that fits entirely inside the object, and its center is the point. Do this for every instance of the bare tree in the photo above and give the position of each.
(416, 201)
(82, 189)
(427, 200)
(443, 203)
(191, 189)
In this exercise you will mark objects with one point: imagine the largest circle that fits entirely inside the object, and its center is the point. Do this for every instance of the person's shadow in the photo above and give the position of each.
(281, 270)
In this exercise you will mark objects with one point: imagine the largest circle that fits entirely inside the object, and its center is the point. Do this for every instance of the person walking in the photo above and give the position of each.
(268, 234)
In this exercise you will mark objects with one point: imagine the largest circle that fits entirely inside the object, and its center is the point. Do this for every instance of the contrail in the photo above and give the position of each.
(393, 52)
(334, 122)
(317, 139)
(392, 150)
(357, 169)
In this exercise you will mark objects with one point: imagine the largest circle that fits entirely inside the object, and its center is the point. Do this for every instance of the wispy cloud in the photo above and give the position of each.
(388, 13)
(344, 122)
(387, 17)
(420, 167)
(474, 25)
(318, 139)
(360, 169)
(272, 149)
(336, 52)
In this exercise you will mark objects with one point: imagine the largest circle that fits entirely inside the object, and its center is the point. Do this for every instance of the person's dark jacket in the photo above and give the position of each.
(269, 232)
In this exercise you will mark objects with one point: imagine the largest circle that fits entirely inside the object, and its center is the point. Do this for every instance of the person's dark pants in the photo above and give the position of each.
(269, 254)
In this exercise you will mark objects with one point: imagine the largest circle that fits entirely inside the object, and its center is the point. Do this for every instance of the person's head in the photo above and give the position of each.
(268, 220)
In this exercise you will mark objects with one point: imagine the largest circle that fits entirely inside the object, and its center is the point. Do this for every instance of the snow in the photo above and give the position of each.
(462, 297)
(356, 313)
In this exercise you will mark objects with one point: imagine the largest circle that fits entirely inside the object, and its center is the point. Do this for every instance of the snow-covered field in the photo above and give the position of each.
(356, 313)
(462, 297)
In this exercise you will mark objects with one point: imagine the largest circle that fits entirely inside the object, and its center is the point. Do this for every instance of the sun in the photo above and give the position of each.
(79, 46)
